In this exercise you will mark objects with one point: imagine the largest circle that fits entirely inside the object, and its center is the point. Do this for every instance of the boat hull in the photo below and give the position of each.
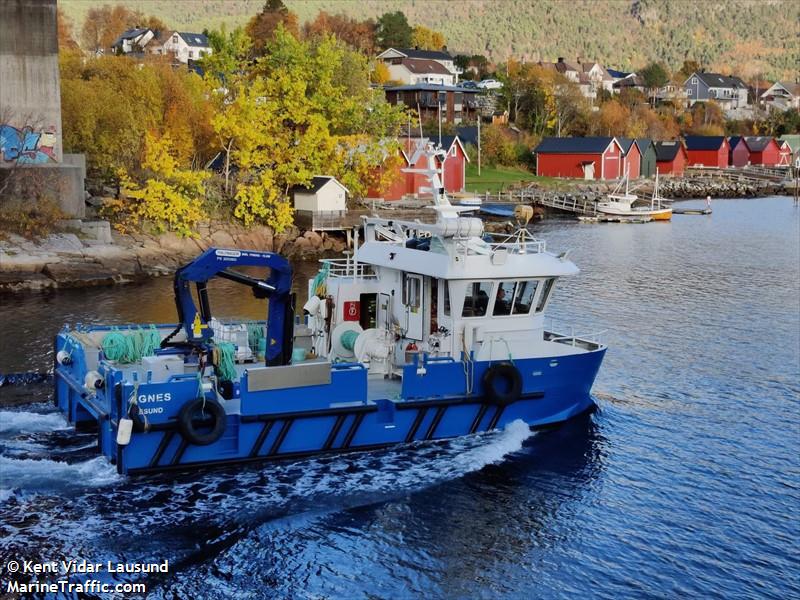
(309, 421)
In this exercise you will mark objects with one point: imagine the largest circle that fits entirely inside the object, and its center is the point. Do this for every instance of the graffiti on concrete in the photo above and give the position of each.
(26, 146)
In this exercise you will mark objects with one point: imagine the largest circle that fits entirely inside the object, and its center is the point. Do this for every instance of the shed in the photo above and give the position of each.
(671, 158)
(756, 150)
(321, 204)
(733, 141)
(631, 157)
(793, 142)
(707, 150)
(647, 164)
(583, 157)
(784, 154)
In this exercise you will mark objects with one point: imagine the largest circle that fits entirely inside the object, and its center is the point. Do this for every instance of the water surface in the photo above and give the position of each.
(684, 483)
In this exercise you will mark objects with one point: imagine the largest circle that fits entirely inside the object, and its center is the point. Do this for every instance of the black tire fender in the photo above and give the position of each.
(211, 409)
(497, 394)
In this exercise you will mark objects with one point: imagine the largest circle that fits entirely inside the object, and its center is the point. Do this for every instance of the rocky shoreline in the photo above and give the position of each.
(90, 254)
(71, 259)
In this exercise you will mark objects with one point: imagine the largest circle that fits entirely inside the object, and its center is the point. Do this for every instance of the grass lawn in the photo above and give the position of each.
(496, 179)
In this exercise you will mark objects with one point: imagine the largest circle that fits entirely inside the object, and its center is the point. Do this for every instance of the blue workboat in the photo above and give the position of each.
(428, 331)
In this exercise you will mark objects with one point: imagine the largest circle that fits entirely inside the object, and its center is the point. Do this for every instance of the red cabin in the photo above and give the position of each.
(671, 158)
(631, 157)
(707, 151)
(455, 166)
(756, 150)
(587, 157)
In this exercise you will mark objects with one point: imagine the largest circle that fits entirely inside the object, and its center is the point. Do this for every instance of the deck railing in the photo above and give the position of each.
(346, 267)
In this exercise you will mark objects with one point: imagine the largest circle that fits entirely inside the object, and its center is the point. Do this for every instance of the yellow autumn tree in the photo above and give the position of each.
(426, 39)
(169, 197)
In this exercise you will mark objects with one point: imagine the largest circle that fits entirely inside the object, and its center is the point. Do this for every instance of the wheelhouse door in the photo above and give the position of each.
(413, 305)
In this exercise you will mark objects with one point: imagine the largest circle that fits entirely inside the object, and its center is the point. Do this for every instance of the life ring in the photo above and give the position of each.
(213, 416)
(500, 393)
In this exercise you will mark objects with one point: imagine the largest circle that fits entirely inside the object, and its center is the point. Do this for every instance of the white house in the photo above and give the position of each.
(184, 46)
(415, 71)
(133, 40)
(783, 95)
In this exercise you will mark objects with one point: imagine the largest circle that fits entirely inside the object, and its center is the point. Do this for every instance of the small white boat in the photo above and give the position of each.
(621, 204)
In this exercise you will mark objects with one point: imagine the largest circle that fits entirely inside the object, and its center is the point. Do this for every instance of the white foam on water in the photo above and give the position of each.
(31, 474)
(30, 422)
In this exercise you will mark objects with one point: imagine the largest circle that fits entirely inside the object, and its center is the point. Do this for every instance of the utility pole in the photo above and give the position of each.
(479, 143)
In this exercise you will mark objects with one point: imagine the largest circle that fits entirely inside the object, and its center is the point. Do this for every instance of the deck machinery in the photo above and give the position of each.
(427, 331)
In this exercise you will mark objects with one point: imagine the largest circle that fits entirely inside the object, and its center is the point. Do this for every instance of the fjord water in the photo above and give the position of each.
(684, 483)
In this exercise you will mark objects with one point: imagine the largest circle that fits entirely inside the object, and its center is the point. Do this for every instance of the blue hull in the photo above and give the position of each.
(433, 403)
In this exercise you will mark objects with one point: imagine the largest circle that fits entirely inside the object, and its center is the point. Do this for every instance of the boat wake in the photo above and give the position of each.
(29, 422)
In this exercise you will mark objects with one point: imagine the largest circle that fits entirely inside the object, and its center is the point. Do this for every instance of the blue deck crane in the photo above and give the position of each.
(276, 287)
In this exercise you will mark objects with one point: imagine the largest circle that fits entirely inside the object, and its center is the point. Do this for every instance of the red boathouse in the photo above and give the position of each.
(756, 150)
(671, 158)
(409, 184)
(586, 157)
(707, 151)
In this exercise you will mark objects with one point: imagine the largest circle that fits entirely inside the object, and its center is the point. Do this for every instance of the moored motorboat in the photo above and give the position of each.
(622, 204)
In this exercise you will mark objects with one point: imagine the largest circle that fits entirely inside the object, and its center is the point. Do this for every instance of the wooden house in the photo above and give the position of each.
(707, 150)
(784, 153)
(582, 157)
(671, 158)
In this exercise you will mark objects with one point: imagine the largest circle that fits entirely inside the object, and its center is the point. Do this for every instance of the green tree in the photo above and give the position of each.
(393, 30)
(654, 76)
(229, 56)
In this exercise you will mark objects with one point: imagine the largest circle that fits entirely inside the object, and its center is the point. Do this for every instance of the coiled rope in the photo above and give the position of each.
(131, 346)
(225, 361)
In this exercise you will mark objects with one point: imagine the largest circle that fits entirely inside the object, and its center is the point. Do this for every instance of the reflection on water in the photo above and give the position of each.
(683, 484)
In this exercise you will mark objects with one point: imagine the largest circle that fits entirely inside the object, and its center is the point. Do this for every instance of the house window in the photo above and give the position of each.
(191, 53)
(690, 92)
(174, 39)
(694, 80)
(476, 302)
(453, 151)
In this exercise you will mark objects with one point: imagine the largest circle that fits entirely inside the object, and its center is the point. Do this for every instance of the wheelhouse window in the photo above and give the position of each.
(523, 299)
(446, 296)
(548, 287)
(504, 298)
(476, 301)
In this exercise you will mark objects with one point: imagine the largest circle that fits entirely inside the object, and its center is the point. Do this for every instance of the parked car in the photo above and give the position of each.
(490, 84)
(469, 85)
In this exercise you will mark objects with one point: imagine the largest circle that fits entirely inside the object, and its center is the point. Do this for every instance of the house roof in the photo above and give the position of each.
(573, 145)
(423, 66)
(424, 54)
(449, 140)
(625, 144)
(194, 39)
(719, 80)
(757, 143)
(468, 134)
(733, 140)
(316, 184)
(793, 140)
(618, 74)
(792, 88)
(704, 142)
(667, 151)
(644, 144)
(130, 34)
